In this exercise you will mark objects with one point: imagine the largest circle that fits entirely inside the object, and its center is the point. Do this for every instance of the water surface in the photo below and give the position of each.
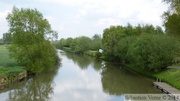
(80, 78)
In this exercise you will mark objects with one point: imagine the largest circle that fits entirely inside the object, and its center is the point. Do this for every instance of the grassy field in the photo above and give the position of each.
(8, 65)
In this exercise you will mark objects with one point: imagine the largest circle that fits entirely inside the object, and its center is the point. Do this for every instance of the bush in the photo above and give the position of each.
(122, 47)
(81, 44)
(154, 52)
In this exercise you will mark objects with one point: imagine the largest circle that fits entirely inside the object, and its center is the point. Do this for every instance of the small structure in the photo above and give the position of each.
(166, 88)
(100, 51)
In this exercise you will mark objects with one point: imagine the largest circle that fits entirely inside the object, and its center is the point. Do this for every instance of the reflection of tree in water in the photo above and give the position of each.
(39, 88)
(81, 60)
(117, 81)
(97, 64)
(84, 61)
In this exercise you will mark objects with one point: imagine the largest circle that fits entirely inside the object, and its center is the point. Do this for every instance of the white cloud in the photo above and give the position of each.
(61, 27)
(146, 11)
(148, 17)
(107, 22)
(70, 17)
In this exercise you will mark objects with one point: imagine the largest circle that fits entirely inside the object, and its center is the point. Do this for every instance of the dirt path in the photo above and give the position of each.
(175, 67)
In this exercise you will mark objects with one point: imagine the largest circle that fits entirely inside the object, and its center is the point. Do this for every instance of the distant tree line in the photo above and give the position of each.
(7, 39)
(80, 44)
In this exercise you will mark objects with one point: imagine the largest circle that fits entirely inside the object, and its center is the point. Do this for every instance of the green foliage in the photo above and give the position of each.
(172, 18)
(93, 53)
(112, 36)
(61, 43)
(81, 44)
(154, 52)
(30, 46)
(68, 42)
(172, 25)
(1, 42)
(123, 47)
(68, 49)
(7, 38)
(96, 42)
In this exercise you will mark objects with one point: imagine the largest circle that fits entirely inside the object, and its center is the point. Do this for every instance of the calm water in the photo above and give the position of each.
(80, 78)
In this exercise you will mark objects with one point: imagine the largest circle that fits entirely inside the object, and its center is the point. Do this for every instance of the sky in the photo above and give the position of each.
(73, 18)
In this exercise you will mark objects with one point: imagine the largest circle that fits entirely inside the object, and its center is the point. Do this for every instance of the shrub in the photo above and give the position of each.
(154, 52)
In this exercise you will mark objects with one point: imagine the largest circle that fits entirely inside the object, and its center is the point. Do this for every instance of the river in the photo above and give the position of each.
(80, 78)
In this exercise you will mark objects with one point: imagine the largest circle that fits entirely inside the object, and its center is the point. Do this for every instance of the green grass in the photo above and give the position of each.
(68, 49)
(7, 64)
(171, 76)
(91, 53)
(5, 60)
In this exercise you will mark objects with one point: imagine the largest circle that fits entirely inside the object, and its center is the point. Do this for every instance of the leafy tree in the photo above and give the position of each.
(154, 52)
(81, 44)
(172, 25)
(68, 42)
(7, 37)
(123, 47)
(172, 18)
(111, 37)
(61, 43)
(1, 42)
(96, 42)
(150, 29)
(30, 45)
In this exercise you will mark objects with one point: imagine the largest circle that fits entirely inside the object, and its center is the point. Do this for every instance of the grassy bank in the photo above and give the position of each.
(95, 54)
(171, 76)
(68, 49)
(8, 65)
(88, 52)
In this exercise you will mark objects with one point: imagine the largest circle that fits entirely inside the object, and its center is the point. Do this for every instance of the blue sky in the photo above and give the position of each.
(72, 18)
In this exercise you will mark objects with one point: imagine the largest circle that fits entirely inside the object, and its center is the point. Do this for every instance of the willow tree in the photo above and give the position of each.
(30, 44)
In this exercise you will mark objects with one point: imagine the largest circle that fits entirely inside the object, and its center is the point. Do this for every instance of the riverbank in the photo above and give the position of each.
(169, 75)
(10, 71)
